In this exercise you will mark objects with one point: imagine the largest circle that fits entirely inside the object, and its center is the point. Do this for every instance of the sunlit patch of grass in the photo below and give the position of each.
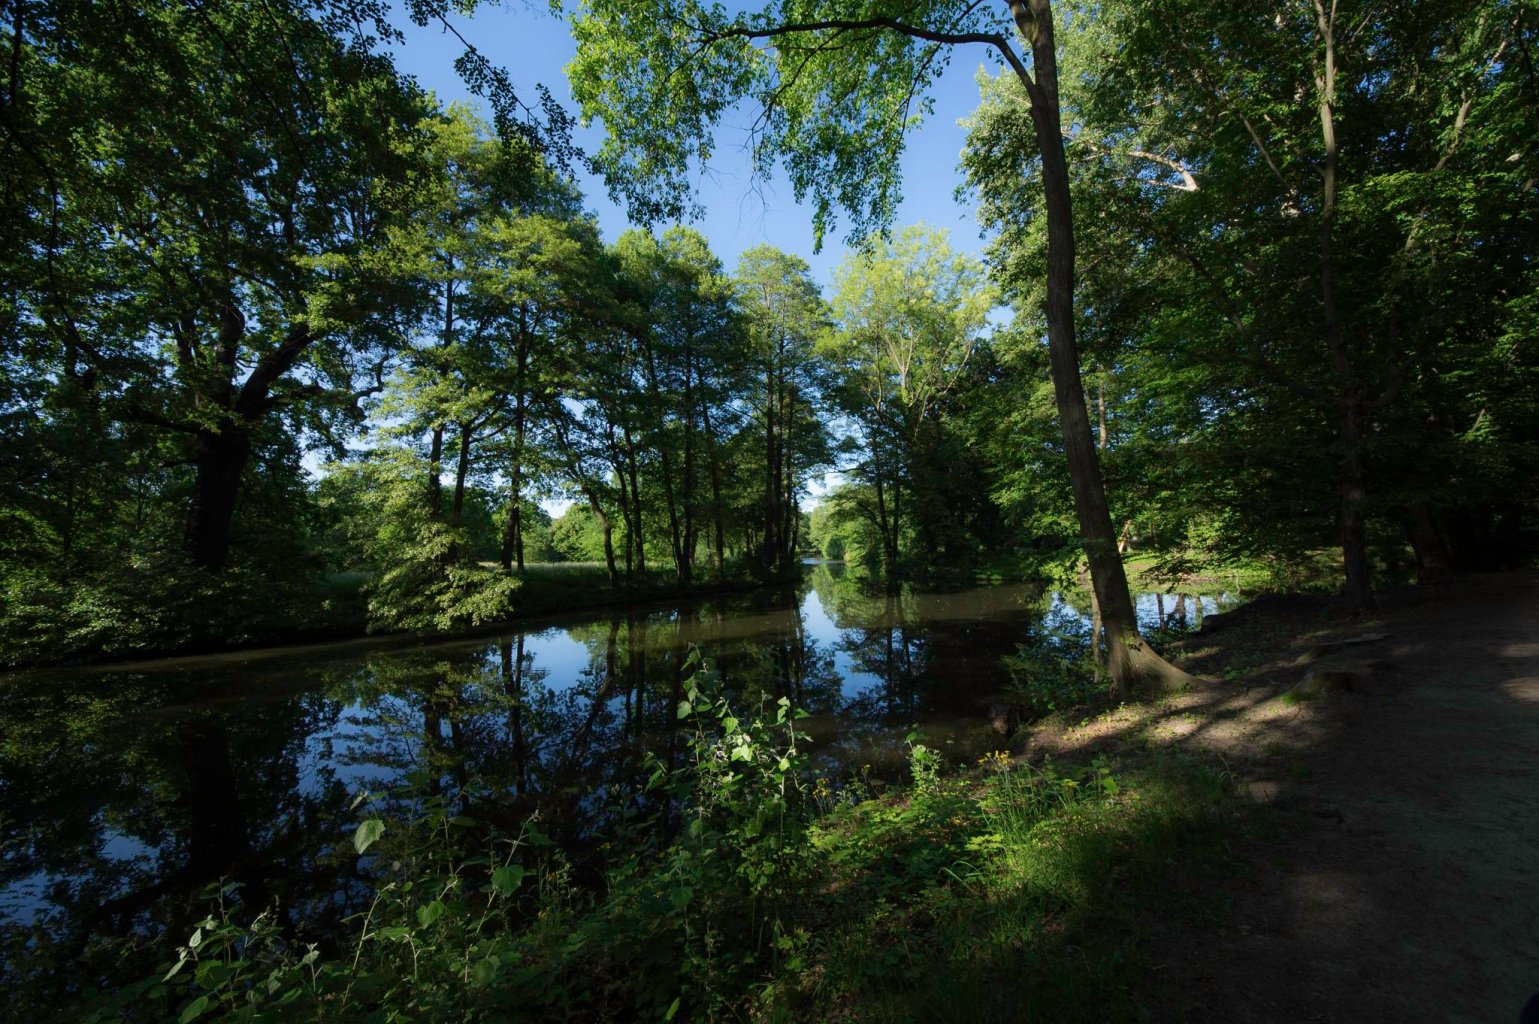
(1022, 896)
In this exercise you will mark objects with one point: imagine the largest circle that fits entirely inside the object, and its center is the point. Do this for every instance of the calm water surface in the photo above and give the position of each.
(125, 787)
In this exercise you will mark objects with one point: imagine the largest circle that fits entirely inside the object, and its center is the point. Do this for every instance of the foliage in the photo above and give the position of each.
(734, 884)
(909, 320)
(1054, 670)
(1202, 303)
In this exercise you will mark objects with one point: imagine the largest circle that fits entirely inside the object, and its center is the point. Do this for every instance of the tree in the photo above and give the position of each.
(228, 218)
(785, 314)
(836, 84)
(909, 315)
(1361, 148)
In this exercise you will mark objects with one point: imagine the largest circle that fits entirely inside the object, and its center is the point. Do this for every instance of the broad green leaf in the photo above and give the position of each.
(483, 972)
(369, 831)
(507, 879)
(429, 913)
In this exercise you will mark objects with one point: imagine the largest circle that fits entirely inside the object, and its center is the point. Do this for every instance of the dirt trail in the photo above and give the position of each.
(1396, 863)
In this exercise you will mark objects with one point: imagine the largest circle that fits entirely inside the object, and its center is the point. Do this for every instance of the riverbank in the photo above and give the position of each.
(1393, 794)
(338, 619)
(1189, 859)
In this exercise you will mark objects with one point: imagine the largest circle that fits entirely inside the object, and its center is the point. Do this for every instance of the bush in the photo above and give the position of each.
(157, 604)
(736, 888)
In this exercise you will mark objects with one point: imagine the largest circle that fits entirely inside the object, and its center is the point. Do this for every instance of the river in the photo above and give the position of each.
(125, 787)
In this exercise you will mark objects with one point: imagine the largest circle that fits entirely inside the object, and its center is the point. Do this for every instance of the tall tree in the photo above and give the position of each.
(228, 215)
(836, 83)
(909, 315)
(785, 314)
(1345, 144)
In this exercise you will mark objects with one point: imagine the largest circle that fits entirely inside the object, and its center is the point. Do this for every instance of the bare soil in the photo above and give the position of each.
(1393, 856)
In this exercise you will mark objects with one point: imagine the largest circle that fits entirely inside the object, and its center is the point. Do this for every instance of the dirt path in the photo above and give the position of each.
(1395, 863)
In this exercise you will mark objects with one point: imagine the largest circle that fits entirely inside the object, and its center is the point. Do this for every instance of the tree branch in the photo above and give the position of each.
(253, 394)
(994, 39)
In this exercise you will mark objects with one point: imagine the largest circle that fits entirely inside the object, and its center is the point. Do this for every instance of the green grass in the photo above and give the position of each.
(1026, 896)
(544, 569)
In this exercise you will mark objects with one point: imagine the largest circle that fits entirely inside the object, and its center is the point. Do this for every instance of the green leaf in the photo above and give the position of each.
(729, 724)
(685, 709)
(429, 913)
(681, 896)
(483, 972)
(194, 1009)
(369, 831)
(673, 1008)
(507, 879)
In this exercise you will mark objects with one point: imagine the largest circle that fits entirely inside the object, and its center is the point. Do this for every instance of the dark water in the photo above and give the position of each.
(124, 788)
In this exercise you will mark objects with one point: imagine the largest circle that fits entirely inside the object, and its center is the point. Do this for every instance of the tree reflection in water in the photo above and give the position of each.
(124, 791)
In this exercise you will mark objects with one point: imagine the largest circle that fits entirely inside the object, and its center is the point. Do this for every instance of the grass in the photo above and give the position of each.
(546, 569)
(1032, 897)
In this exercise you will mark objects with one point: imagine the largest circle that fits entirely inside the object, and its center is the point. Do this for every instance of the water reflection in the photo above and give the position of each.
(123, 790)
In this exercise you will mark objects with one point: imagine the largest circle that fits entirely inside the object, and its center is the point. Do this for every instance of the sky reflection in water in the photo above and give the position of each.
(123, 785)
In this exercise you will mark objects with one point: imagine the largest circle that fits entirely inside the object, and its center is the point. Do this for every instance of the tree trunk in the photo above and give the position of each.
(768, 556)
(461, 472)
(220, 459)
(436, 453)
(686, 569)
(676, 540)
(1354, 532)
(626, 518)
(882, 524)
(640, 540)
(1097, 650)
(791, 529)
(714, 465)
(609, 542)
(1434, 561)
(435, 469)
(513, 537)
(1100, 407)
(1130, 661)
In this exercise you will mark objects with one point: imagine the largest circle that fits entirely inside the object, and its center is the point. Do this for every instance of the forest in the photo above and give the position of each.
(294, 350)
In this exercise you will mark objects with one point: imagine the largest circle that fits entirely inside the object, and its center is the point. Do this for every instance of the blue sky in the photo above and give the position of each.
(535, 47)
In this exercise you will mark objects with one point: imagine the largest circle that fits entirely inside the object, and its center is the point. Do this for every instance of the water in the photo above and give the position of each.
(122, 789)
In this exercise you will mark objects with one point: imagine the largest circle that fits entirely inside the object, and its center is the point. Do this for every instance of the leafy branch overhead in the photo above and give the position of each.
(832, 88)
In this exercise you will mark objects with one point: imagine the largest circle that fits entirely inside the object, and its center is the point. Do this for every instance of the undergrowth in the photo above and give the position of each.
(736, 887)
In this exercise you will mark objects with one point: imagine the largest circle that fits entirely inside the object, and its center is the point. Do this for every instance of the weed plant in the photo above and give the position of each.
(735, 887)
